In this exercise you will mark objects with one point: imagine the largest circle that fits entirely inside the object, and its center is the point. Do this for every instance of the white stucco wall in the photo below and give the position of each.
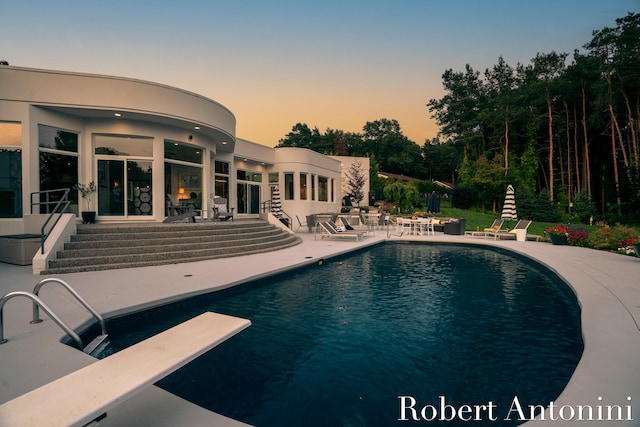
(296, 160)
(345, 165)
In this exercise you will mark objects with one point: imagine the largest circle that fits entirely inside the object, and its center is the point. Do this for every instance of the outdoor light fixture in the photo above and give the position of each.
(117, 114)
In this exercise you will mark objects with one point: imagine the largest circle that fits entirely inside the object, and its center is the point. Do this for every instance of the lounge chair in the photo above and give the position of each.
(519, 230)
(494, 228)
(344, 223)
(327, 229)
(221, 211)
(177, 212)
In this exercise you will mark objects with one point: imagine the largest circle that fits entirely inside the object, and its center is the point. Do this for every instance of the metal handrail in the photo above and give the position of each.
(60, 207)
(266, 208)
(41, 283)
(44, 307)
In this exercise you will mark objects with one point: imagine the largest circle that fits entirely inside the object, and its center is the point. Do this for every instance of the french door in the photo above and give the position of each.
(248, 198)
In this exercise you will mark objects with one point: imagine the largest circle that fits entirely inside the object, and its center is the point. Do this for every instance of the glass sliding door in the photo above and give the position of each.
(124, 191)
(248, 198)
(138, 189)
(110, 188)
(183, 175)
(124, 178)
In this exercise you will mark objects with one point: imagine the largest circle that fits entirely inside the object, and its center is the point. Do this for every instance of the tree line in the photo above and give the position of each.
(562, 126)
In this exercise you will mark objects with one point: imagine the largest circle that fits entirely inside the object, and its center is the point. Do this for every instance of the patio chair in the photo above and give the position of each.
(382, 220)
(177, 212)
(403, 225)
(300, 224)
(519, 230)
(221, 212)
(426, 226)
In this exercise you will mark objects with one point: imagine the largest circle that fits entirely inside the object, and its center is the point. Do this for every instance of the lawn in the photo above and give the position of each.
(480, 220)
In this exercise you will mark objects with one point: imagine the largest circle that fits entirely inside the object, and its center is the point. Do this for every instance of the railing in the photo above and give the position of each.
(60, 206)
(44, 307)
(85, 304)
(266, 207)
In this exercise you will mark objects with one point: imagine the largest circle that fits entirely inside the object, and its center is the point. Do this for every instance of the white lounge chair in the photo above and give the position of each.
(328, 230)
(519, 229)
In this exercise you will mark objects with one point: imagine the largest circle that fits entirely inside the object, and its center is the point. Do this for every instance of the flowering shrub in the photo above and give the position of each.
(558, 230)
(578, 237)
(612, 238)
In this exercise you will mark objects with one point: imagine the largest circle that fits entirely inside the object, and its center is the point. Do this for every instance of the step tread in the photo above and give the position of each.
(174, 260)
(125, 251)
(102, 247)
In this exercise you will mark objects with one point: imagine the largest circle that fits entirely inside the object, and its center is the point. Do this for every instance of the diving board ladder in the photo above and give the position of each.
(88, 393)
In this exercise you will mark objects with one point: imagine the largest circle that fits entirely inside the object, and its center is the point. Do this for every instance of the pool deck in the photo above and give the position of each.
(607, 286)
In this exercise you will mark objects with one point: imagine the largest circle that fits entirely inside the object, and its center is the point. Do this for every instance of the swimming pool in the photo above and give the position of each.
(337, 344)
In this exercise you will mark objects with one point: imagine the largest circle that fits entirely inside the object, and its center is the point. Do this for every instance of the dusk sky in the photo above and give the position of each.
(329, 64)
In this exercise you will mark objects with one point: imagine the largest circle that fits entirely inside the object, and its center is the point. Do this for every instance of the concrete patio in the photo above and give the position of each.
(606, 285)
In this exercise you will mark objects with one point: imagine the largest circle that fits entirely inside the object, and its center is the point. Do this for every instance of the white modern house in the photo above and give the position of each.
(140, 142)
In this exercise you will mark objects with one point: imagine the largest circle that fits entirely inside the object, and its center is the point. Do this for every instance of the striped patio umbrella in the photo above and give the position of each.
(509, 212)
(276, 204)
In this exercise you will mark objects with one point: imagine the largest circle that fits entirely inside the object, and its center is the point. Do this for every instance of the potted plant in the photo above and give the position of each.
(634, 242)
(558, 234)
(86, 191)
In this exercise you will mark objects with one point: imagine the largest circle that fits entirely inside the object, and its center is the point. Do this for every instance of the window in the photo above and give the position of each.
(303, 186)
(243, 175)
(221, 186)
(333, 185)
(57, 139)
(58, 162)
(121, 145)
(182, 152)
(313, 187)
(222, 167)
(10, 170)
(323, 189)
(274, 178)
(288, 186)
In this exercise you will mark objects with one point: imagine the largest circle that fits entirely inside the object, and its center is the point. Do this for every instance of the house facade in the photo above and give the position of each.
(140, 142)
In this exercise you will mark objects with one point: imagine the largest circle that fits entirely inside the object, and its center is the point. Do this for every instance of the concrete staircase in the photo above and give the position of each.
(106, 247)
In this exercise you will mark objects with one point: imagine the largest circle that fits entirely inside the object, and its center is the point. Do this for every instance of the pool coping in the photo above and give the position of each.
(603, 282)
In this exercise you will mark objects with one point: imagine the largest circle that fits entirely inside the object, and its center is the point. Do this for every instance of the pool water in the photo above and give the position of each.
(336, 344)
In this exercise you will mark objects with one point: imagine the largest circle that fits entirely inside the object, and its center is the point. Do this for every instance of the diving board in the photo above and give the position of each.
(82, 396)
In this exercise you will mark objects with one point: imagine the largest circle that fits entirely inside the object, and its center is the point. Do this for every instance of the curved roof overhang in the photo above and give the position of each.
(224, 141)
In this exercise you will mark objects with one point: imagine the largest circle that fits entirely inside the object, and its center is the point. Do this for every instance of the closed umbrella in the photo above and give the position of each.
(434, 204)
(276, 204)
(509, 212)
